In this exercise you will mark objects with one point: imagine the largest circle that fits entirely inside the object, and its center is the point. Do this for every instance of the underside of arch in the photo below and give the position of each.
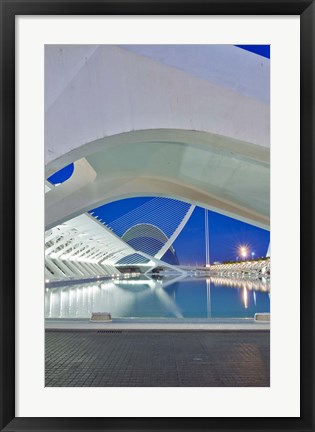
(215, 172)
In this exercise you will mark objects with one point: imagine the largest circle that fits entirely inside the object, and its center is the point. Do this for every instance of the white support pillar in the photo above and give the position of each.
(63, 265)
(55, 269)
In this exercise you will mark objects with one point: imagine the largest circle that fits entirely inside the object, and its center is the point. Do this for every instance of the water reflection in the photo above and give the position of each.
(208, 284)
(245, 298)
(261, 284)
(178, 297)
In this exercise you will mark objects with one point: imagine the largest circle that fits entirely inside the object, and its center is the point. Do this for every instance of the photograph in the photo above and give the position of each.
(157, 183)
(157, 215)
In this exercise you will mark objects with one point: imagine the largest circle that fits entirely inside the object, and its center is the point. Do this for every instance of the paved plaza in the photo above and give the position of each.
(157, 358)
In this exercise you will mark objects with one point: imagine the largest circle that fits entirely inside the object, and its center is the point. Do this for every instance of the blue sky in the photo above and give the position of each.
(226, 234)
(263, 50)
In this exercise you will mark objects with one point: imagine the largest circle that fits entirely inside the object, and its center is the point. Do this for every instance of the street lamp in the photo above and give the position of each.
(243, 252)
(253, 253)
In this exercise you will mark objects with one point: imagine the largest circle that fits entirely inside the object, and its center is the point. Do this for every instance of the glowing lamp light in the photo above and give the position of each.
(243, 251)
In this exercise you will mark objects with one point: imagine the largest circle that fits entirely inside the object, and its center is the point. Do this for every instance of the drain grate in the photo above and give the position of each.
(109, 331)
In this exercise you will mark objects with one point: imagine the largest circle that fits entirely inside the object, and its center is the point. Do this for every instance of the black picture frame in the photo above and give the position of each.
(9, 9)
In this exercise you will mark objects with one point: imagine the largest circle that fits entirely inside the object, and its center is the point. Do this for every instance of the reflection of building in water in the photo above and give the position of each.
(262, 284)
(146, 297)
(119, 297)
(208, 284)
(79, 301)
(245, 298)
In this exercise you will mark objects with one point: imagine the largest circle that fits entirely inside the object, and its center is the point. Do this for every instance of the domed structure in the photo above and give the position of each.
(149, 239)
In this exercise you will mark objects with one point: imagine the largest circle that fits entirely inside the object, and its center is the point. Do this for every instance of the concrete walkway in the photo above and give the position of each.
(120, 358)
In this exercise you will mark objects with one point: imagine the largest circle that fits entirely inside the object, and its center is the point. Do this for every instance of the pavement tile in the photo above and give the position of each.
(157, 359)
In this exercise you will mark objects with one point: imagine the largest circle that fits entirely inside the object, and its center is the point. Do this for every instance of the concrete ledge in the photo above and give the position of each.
(130, 324)
(262, 317)
(53, 283)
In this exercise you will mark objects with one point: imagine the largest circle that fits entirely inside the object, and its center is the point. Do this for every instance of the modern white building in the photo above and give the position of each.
(186, 122)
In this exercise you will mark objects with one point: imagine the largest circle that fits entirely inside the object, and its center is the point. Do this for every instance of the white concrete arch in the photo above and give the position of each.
(220, 174)
(100, 91)
(137, 124)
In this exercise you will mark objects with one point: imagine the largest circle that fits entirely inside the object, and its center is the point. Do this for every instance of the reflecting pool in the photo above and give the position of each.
(145, 297)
